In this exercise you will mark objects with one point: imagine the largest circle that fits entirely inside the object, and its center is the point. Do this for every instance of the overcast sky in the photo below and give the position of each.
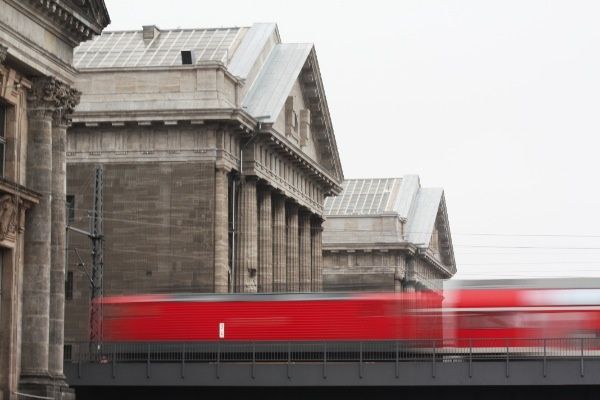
(495, 101)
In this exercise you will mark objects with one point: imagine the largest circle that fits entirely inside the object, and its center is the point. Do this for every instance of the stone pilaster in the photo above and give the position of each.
(317, 255)
(66, 100)
(292, 262)
(304, 252)
(247, 255)
(3, 53)
(36, 271)
(279, 244)
(221, 273)
(265, 241)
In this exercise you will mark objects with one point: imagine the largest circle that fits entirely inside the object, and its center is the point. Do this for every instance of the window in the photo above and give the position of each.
(69, 286)
(2, 137)
(70, 209)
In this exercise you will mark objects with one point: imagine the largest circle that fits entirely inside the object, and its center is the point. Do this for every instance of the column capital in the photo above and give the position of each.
(3, 53)
(51, 98)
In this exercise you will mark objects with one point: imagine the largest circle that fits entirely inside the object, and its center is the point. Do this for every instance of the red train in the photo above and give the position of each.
(270, 317)
(509, 314)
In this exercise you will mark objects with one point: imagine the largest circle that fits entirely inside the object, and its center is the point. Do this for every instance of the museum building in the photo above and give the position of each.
(212, 152)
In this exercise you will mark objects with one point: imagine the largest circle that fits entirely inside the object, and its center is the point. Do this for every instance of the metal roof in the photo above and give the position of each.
(364, 197)
(127, 49)
(273, 85)
(402, 197)
(250, 49)
(421, 220)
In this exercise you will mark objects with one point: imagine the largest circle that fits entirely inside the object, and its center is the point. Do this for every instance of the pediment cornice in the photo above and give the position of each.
(314, 93)
(78, 20)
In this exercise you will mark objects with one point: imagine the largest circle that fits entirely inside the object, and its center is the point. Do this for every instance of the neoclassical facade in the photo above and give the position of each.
(387, 234)
(217, 152)
(36, 101)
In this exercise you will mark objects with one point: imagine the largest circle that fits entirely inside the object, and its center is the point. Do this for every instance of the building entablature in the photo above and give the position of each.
(75, 21)
(41, 34)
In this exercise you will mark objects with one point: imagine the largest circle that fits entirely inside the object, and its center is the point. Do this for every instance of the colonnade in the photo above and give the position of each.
(276, 243)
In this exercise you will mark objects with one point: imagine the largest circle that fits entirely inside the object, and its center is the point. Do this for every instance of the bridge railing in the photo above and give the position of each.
(457, 350)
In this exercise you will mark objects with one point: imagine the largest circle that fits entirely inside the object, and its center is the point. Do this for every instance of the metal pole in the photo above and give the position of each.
(97, 232)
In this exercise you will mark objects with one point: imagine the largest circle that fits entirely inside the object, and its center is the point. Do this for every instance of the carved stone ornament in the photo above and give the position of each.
(9, 211)
(3, 53)
(51, 98)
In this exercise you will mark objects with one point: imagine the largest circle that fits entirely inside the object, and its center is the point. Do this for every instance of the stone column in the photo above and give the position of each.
(36, 272)
(221, 273)
(67, 99)
(293, 275)
(279, 244)
(265, 241)
(317, 255)
(304, 252)
(247, 255)
(410, 282)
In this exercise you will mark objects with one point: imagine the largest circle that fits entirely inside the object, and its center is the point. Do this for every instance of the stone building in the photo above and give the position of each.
(37, 38)
(217, 151)
(387, 235)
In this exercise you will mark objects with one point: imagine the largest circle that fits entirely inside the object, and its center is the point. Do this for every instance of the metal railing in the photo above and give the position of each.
(446, 351)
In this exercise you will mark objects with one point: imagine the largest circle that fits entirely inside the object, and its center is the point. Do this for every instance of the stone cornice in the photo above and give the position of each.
(71, 17)
(22, 192)
(231, 115)
(306, 163)
(313, 89)
(65, 19)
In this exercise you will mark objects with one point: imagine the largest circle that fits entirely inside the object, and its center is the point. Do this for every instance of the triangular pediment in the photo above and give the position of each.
(289, 93)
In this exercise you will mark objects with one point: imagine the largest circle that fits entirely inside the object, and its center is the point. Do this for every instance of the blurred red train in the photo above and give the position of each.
(271, 317)
(515, 314)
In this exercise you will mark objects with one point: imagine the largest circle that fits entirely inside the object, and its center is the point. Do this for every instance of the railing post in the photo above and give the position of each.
(79, 362)
(289, 361)
(470, 358)
(218, 366)
(507, 359)
(581, 371)
(147, 360)
(253, 359)
(183, 361)
(325, 360)
(360, 363)
(397, 362)
(433, 362)
(545, 359)
(114, 358)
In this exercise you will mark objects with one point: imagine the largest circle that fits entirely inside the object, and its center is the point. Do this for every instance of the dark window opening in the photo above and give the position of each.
(69, 286)
(70, 209)
(186, 57)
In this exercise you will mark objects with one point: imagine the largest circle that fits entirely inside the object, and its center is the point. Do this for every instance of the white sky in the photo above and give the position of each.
(495, 101)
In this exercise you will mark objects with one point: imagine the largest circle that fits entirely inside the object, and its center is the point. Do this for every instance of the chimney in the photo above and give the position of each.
(151, 32)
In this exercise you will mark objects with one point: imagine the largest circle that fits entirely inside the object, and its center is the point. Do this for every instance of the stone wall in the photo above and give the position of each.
(361, 271)
(159, 230)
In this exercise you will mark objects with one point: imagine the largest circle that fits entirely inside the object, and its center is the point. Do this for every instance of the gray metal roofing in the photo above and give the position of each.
(273, 85)
(250, 48)
(364, 197)
(421, 220)
(403, 197)
(127, 49)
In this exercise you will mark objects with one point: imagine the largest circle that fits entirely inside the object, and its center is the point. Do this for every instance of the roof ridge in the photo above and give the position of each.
(175, 29)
